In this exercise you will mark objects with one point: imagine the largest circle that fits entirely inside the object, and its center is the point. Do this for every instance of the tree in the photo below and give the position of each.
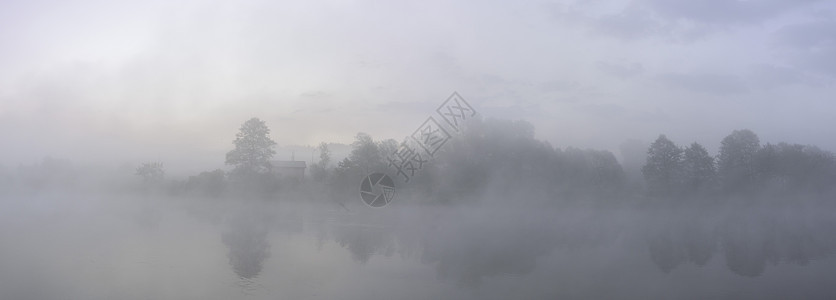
(324, 154)
(211, 184)
(151, 172)
(607, 173)
(794, 168)
(387, 147)
(736, 161)
(253, 149)
(319, 170)
(663, 168)
(698, 169)
(366, 154)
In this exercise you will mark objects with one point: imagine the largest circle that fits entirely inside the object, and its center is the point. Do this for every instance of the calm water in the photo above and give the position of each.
(56, 247)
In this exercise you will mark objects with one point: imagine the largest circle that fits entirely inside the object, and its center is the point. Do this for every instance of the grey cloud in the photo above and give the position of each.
(606, 111)
(808, 35)
(621, 70)
(511, 112)
(825, 14)
(708, 83)
(655, 116)
(724, 11)
(559, 86)
(492, 79)
(675, 20)
(629, 24)
(406, 107)
(771, 76)
(317, 94)
(213, 65)
(810, 45)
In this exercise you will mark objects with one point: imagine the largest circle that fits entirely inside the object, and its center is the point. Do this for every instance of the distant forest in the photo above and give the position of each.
(490, 159)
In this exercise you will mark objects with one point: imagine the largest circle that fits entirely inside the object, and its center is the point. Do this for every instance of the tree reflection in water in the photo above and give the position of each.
(246, 239)
(464, 247)
(748, 240)
(363, 241)
(468, 246)
(485, 247)
(685, 241)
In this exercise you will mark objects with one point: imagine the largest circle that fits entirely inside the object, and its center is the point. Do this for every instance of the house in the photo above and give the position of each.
(289, 168)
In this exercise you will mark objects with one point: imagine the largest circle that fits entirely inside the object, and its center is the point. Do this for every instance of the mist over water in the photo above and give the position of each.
(105, 247)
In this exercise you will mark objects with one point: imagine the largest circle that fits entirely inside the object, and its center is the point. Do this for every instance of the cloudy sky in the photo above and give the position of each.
(155, 80)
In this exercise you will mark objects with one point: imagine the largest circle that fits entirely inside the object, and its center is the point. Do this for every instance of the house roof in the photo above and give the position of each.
(288, 164)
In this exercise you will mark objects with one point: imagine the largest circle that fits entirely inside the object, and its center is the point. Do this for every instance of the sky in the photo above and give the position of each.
(172, 81)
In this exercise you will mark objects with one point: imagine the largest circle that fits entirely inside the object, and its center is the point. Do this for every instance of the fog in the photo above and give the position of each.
(62, 246)
(435, 150)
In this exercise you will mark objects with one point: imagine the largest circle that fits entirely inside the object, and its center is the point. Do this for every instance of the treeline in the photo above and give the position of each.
(502, 159)
(496, 158)
(490, 159)
(741, 168)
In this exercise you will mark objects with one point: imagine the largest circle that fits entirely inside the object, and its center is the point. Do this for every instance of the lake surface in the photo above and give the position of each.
(99, 247)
